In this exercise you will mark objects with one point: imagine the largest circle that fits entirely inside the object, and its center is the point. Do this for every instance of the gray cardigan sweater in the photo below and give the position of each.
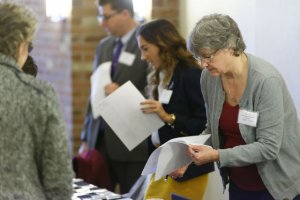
(35, 162)
(274, 144)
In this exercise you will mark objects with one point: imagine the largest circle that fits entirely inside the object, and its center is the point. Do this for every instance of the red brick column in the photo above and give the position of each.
(167, 9)
(86, 33)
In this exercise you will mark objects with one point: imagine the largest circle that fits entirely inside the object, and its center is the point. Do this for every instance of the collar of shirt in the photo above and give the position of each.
(126, 37)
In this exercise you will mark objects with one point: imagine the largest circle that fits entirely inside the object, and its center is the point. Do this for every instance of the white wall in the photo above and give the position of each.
(271, 30)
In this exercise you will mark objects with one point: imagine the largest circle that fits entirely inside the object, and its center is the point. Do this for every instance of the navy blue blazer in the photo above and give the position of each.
(188, 106)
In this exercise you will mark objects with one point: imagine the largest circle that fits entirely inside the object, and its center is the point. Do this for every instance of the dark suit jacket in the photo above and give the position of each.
(111, 146)
(189, 108)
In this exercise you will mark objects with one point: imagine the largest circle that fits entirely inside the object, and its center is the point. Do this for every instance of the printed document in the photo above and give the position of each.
(122, 111)
(172, 155)
(99, 79)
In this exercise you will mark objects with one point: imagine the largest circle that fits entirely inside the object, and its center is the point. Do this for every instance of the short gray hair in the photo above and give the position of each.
(216, 31)
(17, 25)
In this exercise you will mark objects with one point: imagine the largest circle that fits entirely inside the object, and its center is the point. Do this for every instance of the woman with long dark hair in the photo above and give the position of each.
(176, 98)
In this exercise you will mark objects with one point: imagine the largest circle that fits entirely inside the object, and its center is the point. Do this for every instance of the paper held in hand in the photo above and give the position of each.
(99, 79)
(122, 112)
(172, 155)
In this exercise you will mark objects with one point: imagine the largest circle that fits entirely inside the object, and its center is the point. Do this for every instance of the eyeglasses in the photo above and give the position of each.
(207, 59)
(102, 18)
(30, 47)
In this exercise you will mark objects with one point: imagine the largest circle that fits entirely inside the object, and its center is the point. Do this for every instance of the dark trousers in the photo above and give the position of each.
(125, 173)
(120, 172)
(236, 193)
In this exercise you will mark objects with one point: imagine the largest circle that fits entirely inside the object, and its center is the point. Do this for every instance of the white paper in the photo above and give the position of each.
(172, 155)
(99, 79)
(122, 111)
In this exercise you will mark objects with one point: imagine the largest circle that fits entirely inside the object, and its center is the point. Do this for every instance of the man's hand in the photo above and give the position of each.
(110, 88)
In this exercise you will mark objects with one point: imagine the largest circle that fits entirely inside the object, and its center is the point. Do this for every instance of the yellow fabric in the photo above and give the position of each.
(163, 188)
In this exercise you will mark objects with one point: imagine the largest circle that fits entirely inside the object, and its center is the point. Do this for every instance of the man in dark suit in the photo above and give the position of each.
(117, 18)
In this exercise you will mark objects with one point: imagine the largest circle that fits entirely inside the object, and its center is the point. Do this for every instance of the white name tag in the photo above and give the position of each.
(165, 96)
(247, 117)
(126, 58)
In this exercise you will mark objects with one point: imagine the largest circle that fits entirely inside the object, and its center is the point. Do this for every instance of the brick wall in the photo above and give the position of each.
(86, 33)
(53, 57)
(168, 9)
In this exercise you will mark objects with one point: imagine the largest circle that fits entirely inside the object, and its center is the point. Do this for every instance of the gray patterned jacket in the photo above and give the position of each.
(35, 162)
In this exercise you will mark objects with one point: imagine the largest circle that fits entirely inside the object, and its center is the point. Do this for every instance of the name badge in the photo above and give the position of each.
(247, 117)
(126, 58)
(165, 96)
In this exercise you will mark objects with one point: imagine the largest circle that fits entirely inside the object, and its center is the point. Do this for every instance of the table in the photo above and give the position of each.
(86, 191)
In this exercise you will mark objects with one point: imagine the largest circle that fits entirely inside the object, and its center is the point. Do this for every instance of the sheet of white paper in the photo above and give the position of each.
(99, 79)
(122, 111)
(150, 167)
(172, 155)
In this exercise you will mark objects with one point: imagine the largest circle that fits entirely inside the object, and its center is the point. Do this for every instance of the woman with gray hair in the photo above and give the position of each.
(35, 162)
(251, 116)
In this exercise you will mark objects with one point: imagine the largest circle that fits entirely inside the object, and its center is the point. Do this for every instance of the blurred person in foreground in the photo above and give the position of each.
(121, 49)
(251, 116)
(176, 99)
(35, 163)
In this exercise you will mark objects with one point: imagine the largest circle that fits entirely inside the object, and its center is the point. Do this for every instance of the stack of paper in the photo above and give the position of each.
(172, 155)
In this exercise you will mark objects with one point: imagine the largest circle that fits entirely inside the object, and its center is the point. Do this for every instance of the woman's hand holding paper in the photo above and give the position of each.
(202, 154)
